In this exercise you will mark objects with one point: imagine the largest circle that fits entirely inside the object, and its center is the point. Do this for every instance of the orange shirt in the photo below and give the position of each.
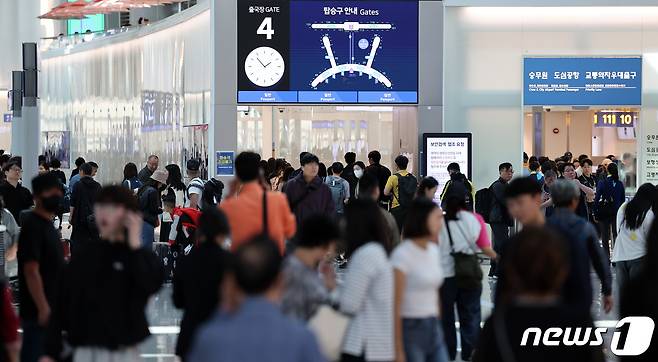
(245, 215)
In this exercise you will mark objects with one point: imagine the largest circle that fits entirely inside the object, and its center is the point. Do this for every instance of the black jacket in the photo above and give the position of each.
(196, 289)
(499, 213)
(102, 298)
(82, 199)
(382, 173)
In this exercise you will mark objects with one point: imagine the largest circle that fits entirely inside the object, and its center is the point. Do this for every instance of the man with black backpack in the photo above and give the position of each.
(490, 203)
(402, 187)
(456, 177)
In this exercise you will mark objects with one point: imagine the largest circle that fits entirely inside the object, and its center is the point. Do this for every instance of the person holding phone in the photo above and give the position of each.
(107, 285)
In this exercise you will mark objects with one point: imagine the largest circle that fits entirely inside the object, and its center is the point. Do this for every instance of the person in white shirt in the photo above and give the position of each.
(634, 219)
(463, 232)
(418, 277)
(366, 293)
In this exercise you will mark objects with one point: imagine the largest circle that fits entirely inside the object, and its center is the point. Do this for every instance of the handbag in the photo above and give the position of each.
(468, 273)
(329, 327)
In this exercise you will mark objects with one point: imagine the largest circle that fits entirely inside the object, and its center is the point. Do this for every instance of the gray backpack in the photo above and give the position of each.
(338, 192)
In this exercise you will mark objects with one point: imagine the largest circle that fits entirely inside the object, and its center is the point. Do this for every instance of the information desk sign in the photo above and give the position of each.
(582, 81)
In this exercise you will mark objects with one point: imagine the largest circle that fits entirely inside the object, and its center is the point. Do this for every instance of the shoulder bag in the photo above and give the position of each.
(468, 273)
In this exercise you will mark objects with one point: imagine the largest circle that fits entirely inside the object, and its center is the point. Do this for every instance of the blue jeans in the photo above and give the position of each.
(423, 340)
(468, 308)
(33, 341)
(148, 236)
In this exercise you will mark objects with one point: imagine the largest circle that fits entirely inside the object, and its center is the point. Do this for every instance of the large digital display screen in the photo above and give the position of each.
(582, 81)
(328, 51)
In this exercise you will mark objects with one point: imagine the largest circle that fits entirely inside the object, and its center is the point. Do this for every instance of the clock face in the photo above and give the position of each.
(264, 66)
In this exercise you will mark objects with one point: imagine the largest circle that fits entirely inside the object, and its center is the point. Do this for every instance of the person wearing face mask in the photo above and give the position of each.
(359, 169)
(82, 208)
(108, 285)
(40, 262)
(150, 204)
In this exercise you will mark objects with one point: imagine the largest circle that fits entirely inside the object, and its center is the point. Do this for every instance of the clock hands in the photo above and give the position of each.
(261, 63)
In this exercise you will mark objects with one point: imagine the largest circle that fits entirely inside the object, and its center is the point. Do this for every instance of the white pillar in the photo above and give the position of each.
(223, 128)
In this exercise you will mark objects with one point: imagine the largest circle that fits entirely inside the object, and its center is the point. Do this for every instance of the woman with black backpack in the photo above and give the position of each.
(610, 195)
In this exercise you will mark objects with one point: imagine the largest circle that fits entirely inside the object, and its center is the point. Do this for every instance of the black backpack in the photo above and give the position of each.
(484, 202)
(407, 186)
(459, 183)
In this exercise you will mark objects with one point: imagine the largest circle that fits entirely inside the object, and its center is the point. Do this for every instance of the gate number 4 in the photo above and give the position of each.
(265, 28)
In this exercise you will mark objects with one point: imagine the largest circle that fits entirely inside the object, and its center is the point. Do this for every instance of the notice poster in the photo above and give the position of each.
(225, 163)
(649, 152)
(442, 149)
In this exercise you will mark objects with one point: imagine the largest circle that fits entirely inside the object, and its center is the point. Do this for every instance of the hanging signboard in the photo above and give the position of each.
(582, 81)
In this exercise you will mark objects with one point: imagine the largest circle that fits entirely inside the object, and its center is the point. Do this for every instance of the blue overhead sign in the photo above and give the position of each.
(582, 81)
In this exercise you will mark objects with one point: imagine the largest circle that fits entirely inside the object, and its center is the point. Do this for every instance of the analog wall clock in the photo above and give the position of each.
(264, 66)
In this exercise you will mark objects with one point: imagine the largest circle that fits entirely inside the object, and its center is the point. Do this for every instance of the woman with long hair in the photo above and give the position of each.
(176, 189)
(610, 194)
(367, 290)
(130, 179)
(418, 277)
(462, 232)
(634, 220)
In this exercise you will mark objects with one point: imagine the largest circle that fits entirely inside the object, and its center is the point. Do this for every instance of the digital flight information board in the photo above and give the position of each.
(328, 51)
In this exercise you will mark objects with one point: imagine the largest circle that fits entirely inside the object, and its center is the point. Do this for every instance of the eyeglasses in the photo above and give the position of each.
(15, 169)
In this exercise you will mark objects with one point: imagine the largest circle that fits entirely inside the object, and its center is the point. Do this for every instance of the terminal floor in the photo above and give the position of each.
(161, 312)
(164, 318)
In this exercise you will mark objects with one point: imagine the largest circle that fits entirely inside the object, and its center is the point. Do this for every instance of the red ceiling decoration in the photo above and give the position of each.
(81, 8)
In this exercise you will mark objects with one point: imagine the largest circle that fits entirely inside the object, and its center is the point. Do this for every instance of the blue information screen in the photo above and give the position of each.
(328, 51)
(582, 81)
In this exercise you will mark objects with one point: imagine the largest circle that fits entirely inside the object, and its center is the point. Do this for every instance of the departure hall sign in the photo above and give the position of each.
(582, 81)
(328, 51)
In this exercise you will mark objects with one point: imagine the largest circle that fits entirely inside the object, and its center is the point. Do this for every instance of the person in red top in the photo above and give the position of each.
(244, 209)
(8, 326)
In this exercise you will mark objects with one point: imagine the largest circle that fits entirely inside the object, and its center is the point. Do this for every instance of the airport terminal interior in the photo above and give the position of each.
(328, 180)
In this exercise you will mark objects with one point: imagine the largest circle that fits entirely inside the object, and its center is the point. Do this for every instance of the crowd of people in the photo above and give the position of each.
(368, 254)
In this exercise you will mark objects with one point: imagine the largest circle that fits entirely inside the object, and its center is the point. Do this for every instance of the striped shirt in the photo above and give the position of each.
(367, 296)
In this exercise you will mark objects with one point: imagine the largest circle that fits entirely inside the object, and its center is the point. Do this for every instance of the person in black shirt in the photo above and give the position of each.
(348, 172)
(82, 209)
(78, 162)
(536, 266)
(55, 164)
(17, 198)
(103, 292)
(151, 165)
(381, 172)
(588, 179)
(199, 275)
(40, 261)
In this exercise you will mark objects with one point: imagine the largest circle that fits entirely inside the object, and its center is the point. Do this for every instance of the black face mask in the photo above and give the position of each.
(51, 203)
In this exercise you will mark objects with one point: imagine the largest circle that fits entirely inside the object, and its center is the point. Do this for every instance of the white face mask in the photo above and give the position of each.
(358, 172)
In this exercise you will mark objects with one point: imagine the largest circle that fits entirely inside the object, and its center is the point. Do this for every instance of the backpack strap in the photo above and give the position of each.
(266, 232)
